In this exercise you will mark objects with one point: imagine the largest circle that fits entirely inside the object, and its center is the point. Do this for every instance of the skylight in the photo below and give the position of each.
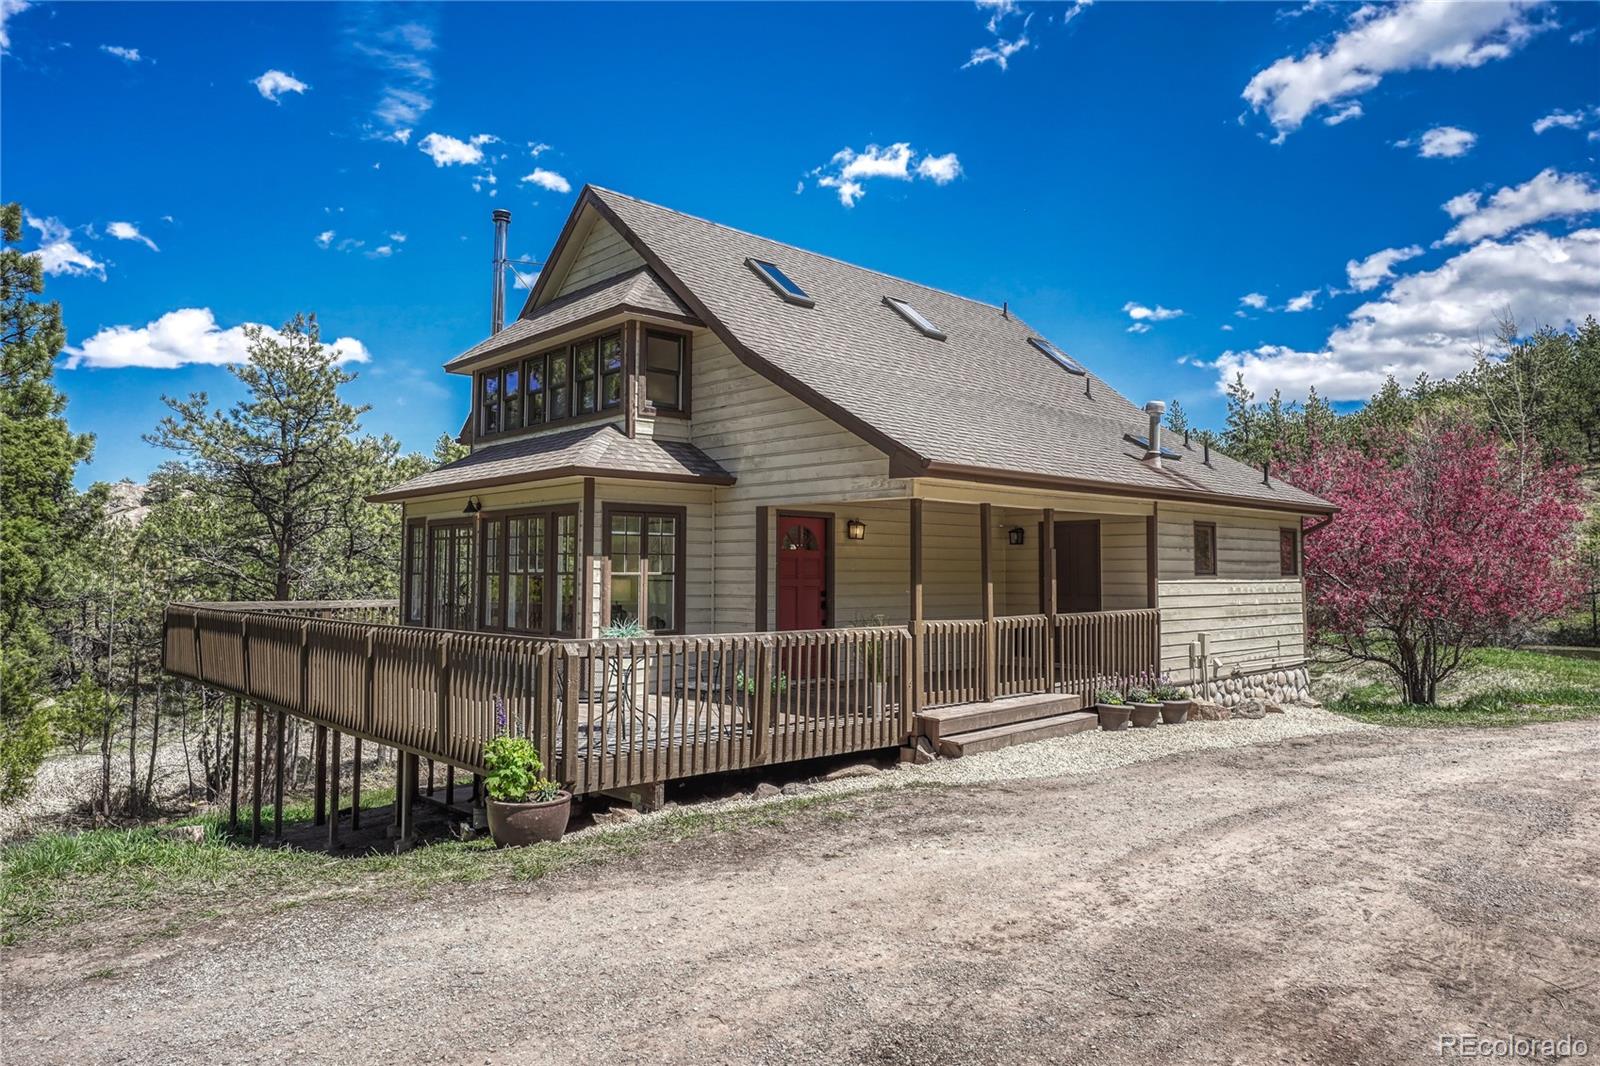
(1069, 364)
(781, 283)
(916, 318)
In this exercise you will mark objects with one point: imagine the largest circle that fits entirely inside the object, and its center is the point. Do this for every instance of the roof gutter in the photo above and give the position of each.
(994, 475)
(455, 488)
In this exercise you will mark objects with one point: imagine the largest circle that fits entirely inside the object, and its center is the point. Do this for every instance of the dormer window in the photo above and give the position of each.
(916, 318)
(781, 283)
(1067, 363)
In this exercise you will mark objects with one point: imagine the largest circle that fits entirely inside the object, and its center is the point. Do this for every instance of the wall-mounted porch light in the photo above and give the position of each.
(855, 529)
(1015, 536)
(474, 505)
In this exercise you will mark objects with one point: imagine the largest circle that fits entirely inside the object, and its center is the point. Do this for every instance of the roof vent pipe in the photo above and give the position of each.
(1155, 409)
(1266, 470)
(497, 315)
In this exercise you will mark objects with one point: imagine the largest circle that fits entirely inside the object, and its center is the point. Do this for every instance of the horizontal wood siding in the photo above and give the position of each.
(1252, 615)
(784, 453)
(603, 254)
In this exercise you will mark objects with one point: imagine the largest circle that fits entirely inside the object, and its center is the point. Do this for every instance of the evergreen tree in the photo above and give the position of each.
(41, 516)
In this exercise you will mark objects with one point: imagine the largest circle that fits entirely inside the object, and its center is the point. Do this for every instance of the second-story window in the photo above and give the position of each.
(663, 368)
(611, 370)
(534, 374)
(489, 403)
(585, 376)
(560, 386)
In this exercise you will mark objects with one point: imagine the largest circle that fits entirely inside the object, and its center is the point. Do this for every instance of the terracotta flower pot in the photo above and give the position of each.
(1145, 714)
(514, 824)
(1113, 716)
(1175, 712)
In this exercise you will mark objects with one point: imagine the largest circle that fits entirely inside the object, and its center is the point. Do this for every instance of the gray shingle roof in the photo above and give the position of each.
(985, 399)
(637, 290)
(596, 450)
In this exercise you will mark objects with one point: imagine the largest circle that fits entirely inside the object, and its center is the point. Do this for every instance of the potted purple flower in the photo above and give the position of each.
(1112, 709)
(1175, 705)
(1143, 707)
(525, 807)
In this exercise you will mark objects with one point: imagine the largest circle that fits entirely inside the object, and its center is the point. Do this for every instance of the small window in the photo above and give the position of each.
(1289, 552)
(781, 283)
(663, 370)
(533, 373)
(916, 318)
(560, 386)
(1205, 549)
(489, 403)
(585, 377)
(1067, 363)
(611, 370)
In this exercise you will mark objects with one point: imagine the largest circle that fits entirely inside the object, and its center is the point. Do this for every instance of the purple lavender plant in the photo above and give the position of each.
(499, 716)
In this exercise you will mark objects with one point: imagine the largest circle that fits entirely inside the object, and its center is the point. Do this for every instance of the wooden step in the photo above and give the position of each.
(945, 722)
(1004, 736)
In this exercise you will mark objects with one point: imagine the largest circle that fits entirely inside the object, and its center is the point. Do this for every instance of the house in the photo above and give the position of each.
(729, 503)
(710, 432)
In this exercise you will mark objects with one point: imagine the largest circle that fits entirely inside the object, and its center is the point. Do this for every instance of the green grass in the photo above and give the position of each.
(60, 879)
(1495, 687)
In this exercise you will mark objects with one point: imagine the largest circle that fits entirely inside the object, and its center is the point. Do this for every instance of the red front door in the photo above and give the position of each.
(802, 572)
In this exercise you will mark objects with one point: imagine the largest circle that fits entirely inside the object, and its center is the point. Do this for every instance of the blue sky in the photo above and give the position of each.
(1313, 194)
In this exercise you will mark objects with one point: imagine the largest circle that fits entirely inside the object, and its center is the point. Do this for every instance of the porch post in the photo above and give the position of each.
(586, 562)
(917, 645)
(991, 665)
(1047, 592)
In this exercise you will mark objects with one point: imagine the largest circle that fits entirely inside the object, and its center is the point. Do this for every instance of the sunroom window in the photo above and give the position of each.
(646, 552)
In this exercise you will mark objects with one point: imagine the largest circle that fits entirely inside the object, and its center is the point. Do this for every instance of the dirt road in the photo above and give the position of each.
(1344, 898)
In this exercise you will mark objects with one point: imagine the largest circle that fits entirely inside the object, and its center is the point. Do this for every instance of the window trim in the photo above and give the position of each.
(564, 355)
(919, 321)
(759, 268)
(680, 585)
(685, 373)
(1215, 550)
(1299, 563)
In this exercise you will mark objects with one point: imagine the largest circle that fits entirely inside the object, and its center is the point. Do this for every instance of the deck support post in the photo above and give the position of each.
(1047, 593)
(281, 741)
(333, 795)
(233, 774)
(449, 783)
(918, 646)
(257, 758)
(431, 788)
(319, 787)
(405, 795)
(355, 785)
(991, 658)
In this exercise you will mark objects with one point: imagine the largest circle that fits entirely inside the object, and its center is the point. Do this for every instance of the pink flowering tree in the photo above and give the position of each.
(1445, 540)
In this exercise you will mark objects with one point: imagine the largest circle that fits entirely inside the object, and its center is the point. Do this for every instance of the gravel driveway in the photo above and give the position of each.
(1345, 897)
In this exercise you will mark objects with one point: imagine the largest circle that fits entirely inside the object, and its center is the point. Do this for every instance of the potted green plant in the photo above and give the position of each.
(1112, 709)
(1174, 704)
(1144, 707)
(620, 678)
(524, 806)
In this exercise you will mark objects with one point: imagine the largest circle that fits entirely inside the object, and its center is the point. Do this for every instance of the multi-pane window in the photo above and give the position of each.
(663, 368)
(576, 380)
(566, 562)
(517, 556)
(451, 577)
(489, 402)
(646, 552)
(534, 373)
(1205, 549)
(585, 371)
(560, 387)
(1289, 552)
(525, 570)
(493, 584)
(416, 571)
(611, 370)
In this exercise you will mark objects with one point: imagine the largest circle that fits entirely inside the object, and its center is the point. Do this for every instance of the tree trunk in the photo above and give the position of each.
(133, 736)
(155, 740)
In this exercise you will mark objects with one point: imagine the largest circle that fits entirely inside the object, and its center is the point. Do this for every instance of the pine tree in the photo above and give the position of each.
(41, 515)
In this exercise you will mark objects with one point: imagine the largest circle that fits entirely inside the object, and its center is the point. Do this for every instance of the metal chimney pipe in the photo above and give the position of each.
(1155, 409)
(497, 316)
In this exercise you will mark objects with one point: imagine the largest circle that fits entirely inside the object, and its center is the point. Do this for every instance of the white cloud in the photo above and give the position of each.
(1549, 194)
(398, 238)
(1344, 114)
(185, 337)
(1566, 120)
(1226, 328)
(58, 255)
(999, 53)
(446, 151)
(398, 53)
(537, 148)
(1008, 42)
(1366, 274)
(1139, 327)
(127, 231)
(274, 83)
(846, 172)
(8, 9)
(940, 169)
(1154, 314)
(1441, 142)
(1430, 322)
(1383, 40)
(1304, 302)
(1254, 299)
(325, 238)
(382, 251)
(127, 55)
(548, 179)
